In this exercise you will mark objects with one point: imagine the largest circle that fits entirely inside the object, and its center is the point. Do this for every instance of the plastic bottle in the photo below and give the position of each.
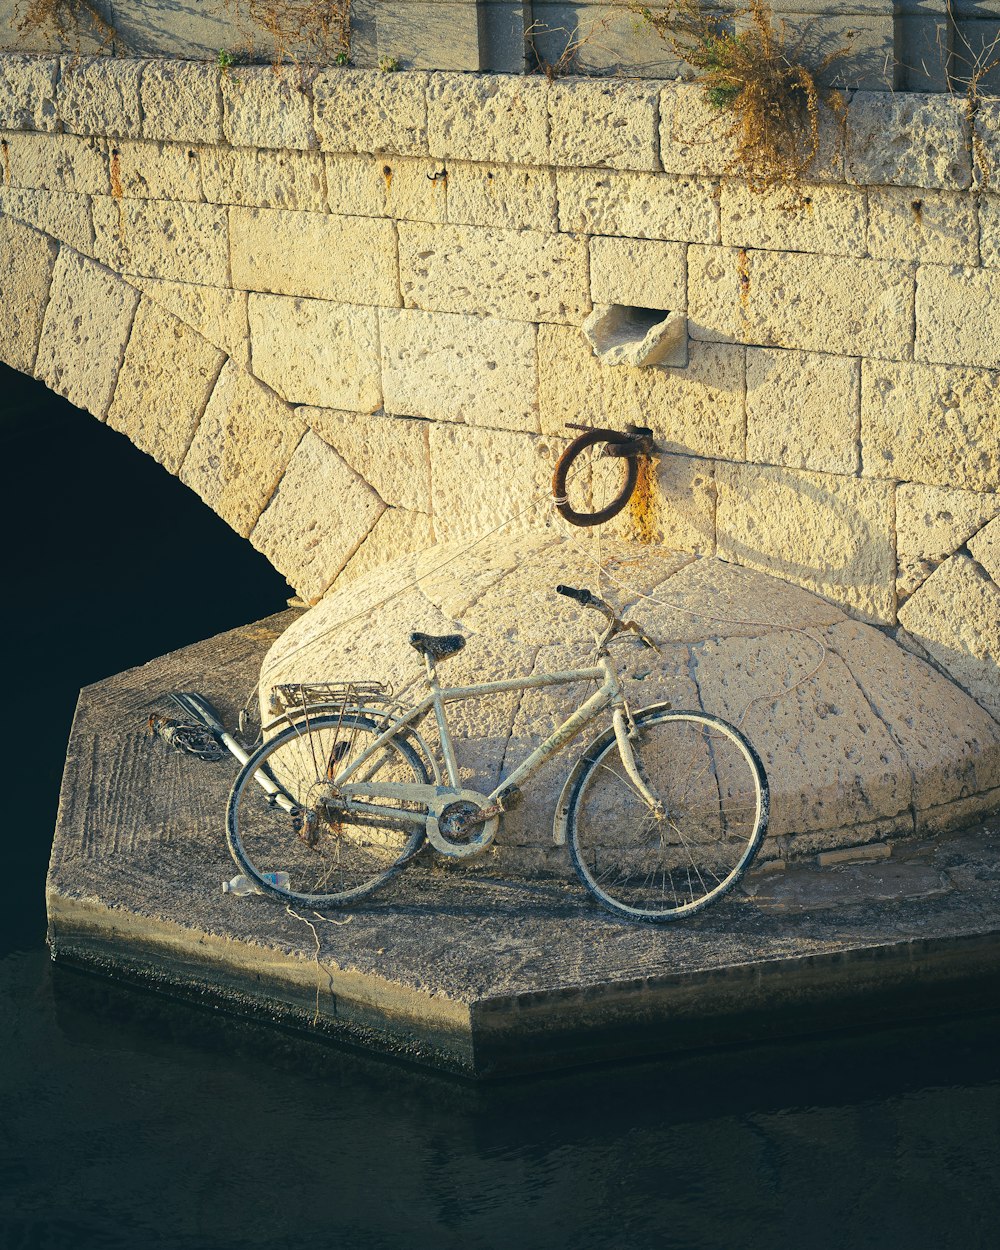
(242, 886)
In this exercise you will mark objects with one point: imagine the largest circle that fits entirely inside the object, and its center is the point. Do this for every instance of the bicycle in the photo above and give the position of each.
(662, 813)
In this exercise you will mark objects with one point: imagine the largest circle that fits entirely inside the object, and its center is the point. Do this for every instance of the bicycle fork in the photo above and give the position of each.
(621, 721)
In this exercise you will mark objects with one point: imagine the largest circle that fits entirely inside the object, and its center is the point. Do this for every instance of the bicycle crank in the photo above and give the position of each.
(461, 823)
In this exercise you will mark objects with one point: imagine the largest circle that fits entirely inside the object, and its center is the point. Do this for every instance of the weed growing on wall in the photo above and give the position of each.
(574, 42)
(313, 30)
(767, 100)
(71, 21)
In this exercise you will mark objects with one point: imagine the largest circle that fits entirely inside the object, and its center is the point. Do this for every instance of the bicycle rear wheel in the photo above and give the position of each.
(659, 866)
(330, 860)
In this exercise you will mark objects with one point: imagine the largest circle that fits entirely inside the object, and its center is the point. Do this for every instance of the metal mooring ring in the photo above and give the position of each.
(628, 446)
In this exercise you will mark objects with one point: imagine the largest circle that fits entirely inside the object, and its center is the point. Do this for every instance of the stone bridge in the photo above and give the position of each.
(344, 307)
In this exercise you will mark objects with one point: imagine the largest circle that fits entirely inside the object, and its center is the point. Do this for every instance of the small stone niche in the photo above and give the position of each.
(622, 334)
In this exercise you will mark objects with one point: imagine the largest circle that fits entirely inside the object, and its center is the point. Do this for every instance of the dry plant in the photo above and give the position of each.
(767, 98)
(314, 30)
(976, 63)
(574, 42)
(70, 20)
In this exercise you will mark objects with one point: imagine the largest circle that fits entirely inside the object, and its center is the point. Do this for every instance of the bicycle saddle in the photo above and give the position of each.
(437, 646)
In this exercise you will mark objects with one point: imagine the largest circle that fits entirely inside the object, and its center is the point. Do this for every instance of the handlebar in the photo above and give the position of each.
(615, 624)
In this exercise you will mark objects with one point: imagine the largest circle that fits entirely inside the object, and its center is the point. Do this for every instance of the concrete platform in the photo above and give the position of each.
(463, 970)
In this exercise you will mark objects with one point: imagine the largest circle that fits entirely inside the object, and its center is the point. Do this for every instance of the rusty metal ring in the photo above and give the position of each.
(563, 464)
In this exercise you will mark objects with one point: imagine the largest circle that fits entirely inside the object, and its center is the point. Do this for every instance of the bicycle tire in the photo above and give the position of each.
(338, 861)
(561, 477)
(715, 794)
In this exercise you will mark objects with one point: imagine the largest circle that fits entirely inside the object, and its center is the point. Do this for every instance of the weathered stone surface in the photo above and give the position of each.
(604, 124)
(367, 111)
(318, 517)
(641, 272)
(908, 140)
(404, 187)
(162, 239)
(507, 197)
(181, 102)
(928, 424)
(490, 118)
(458, 368)
(481, 478)
(241, 448)
(26, 261)
(803, 410)
(932, 522)
(51, 162)
(218, 315)
(955, 321)
(641, 206)
(817, 303)
(955, 616)
(66, 217)
(430, 34)
(100, 96)
(86, 327)
(395, 533)
(523, 276)
(258, 178)
(696, 410)
(986, 143)
(624, 335)
(155, 171)
(313, 254)
(164, 384)
(934, 227)
(989, 235)
(985, 547)
(797, 218)
(832, 535)
(314, 352)
(673, 506)
(266, 108)
(28, 92)
(390, 453)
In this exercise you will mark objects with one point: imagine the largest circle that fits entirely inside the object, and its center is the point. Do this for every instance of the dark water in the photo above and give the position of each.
(128, 1122)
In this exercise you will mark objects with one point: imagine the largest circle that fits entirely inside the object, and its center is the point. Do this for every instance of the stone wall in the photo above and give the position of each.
(345, 308)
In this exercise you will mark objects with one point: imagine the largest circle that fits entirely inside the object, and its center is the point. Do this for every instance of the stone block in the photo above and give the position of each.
(932, 522)
(986, 144)
(66, 217)
(481, 479)
(48, 162)
(673, 506)
(241, 448)
(985, 547)
(506, 197)
(390, 453)
(86, 327)
(26, 261)
(598, 39)
(858, 37)
(935, 227)
(803, 410)
(155, 171)
(450, 367)
(395, 533)
(347, 259)
(314, 352)
(162, 239)
(933, 425)
(367, 111)
(408, 188)
(520, 276)
(799, 218)
(489, 118)
(955, 617)
(832, 535)
(260, 178)
(318, 517)
(181, 102)
(989, 234)
(852, 307)
(623, 334)
(266, 108)
(643, 273)
(955, 321)
(100, 96)
(696, 138)
(504, 42)
(435, 35)
(28, 92)
(908, 140)
(164, 384)
(640, 206)
(604, 124)
(217, 314)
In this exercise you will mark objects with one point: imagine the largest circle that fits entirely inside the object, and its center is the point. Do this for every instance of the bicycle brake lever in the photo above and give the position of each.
(643, 638)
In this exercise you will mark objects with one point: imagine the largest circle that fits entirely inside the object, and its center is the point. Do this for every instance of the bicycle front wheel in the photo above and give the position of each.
(668, 863)
(330, 859)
